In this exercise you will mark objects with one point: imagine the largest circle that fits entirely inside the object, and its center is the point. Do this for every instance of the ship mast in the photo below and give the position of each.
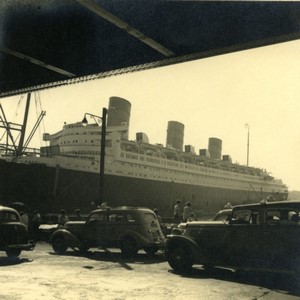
(21, 141)
(22, 146)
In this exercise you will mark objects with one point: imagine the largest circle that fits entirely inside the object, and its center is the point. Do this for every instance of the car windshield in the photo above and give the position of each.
(7, 216)
(223, 215)
(98, 216)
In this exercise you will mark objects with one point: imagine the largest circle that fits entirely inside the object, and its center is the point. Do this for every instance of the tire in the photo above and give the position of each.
(83, 248)
(13, 252)
(180, 259)
(208, 268)
(150, 250)
(59, 245)
(129, 247)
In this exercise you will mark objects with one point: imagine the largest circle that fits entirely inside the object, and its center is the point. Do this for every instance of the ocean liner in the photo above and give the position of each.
(65, 174)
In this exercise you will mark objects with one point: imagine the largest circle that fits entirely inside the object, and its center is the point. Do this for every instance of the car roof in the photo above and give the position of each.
(226, 210)
(269, 204)
(124, 208)
(5, 208)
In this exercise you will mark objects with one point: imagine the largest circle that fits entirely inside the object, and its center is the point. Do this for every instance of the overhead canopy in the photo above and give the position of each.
(46, 43)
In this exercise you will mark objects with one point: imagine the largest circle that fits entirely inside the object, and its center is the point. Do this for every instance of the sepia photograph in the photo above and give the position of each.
(149, 149)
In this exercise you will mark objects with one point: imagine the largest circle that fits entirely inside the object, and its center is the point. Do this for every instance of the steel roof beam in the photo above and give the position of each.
(36, 62)
(126, 27)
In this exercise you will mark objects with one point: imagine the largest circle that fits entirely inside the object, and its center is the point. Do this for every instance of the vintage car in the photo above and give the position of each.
(13, 233)
(127, 228)
(263, 236)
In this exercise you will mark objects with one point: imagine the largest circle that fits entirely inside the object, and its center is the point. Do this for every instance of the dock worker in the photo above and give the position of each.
(62, 218)
(78, 216)
(177, 212)
(35, 224)
(24, 219)
(159, 218)
(187, 211)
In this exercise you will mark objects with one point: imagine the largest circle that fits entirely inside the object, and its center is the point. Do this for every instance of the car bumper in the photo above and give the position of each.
(158, 245)
(29, 246)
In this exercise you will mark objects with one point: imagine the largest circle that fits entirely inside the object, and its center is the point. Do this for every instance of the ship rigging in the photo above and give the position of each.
(15, 143)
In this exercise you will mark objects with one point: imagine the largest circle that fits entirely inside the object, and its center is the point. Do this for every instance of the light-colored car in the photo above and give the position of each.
(127, 228)
(13, 233)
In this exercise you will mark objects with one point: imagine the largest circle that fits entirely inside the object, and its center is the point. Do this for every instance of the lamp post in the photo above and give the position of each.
(85, 121)
(102, 151)
(248, 127)
(102, 155)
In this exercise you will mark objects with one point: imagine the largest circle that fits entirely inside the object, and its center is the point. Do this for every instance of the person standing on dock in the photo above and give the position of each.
(177, 212)
(36, 222)
(159, 218)
(78, 216)
(187, 211)
(24, 219)
(62, 218)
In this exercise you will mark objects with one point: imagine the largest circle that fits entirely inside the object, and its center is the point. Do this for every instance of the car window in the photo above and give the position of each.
(148, 217)
(6, 217)
(97, 216)
(246, 216)
(223, 216)
(130, 218)
(116, 218)
(282, 217)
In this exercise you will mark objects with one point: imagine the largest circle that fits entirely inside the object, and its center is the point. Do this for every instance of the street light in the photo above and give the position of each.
(102, 150)
(85, 121)
(248, 127)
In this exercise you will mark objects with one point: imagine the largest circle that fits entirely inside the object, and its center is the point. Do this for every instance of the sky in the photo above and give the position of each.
(212, 97)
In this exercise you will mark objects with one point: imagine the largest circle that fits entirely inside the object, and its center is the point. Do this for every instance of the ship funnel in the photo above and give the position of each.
(142, 137)
(175, 135)
(215, 148)
(118, 112)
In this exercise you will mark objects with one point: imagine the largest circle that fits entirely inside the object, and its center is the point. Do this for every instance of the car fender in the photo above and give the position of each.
(140, 239)
(183, 241)
(70, 238)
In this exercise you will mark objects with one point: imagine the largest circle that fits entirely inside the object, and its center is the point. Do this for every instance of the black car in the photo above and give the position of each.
(263, 236)
(13, 233)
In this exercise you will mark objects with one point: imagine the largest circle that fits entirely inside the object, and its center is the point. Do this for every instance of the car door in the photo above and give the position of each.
(95, 228)
(116, 226)
(281, 236)
(242, 243)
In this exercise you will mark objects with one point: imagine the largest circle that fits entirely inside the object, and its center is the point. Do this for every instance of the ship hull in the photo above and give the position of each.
(50, 189)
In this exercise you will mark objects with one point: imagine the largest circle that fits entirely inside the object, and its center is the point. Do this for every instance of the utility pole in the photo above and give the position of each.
(248, 134)
(102, 155)
(102, 151)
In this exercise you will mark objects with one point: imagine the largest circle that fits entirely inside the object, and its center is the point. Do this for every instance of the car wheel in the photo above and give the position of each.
(83, 248)
(150, 250)
(180, 259)
(13, 252)
(129, 247)
(296, 268)
(208, 268)
(59, 245)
